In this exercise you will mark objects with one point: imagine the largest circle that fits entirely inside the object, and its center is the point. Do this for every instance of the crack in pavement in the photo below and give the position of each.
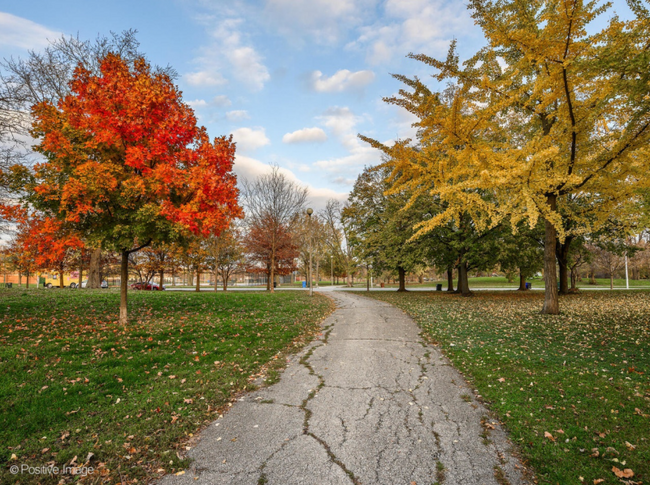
(369, 402)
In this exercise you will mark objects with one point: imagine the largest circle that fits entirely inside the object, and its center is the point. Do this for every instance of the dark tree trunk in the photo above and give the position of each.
(551, 303)
(562, 254)
(225, 280)
(450, 279)
(574, 278)
(61, 284)
(522, 281)
(463, 283)
(27, 282)
(402, 279)
(198, 279)
(124, 281)
(162, 278)
(93, 269)
(81, 268)
(216, 279)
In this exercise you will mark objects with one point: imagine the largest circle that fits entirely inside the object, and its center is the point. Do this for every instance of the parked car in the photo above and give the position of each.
(141, 285)
(85, 282)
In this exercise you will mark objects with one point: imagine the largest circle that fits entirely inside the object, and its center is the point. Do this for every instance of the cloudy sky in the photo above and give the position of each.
(293, 80)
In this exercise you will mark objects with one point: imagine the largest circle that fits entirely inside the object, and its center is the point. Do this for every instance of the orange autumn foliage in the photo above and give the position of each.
(126, 161)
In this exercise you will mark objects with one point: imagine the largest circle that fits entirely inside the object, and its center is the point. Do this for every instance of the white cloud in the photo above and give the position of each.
(248, 168)
(360, 156)
(228, 53)
(250, 139)
(325, 21)
(306, 135)
(342, 80)
(20, 32)
(339, 120)
(222, 101)
(248, 68)
(198, 103)
(413, 26)
(205, 78)
(237, 115)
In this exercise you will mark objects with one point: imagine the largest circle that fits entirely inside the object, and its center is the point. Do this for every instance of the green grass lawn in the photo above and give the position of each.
(573, 389)
(74, 382)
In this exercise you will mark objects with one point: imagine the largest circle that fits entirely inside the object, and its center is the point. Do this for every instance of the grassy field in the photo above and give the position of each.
(74, 383)
(573, 389)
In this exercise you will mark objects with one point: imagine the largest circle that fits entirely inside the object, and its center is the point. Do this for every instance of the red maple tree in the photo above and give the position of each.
(259, 247)
(127, 164)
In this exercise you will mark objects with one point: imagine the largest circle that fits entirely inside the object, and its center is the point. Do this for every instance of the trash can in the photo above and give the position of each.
(275, 284)
(439, 287)
(382, 285)
(529, 286)
(304, 284)
(9, 285)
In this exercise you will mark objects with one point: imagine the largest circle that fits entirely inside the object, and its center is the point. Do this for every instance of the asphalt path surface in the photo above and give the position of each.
(367, 403)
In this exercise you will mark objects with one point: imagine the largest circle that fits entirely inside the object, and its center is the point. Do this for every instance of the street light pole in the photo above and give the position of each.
(311, 286)
(332, 268)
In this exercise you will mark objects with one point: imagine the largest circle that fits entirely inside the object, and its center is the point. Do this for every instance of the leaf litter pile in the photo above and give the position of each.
(79, 389)
(573, 389)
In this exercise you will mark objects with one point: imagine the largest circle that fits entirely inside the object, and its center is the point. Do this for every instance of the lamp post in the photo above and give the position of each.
(332, 268)
(311, 286)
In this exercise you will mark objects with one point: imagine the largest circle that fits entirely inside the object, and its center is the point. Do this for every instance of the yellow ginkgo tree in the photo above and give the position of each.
(547, 114)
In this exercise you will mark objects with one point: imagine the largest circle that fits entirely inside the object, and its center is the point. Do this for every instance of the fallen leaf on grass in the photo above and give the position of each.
(549, 436)
(627, 473)
(501, 379)
(599, 480)
(630, 446)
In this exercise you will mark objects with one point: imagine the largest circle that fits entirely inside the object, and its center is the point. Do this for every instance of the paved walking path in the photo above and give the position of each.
(368, 403)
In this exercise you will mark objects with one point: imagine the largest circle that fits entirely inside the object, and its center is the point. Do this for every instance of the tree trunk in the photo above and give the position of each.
(562, 254)
(463, 283)
(173, 276)
(81, 268)
(216, 279)
(225, 281)
(450, 279)
(611, 280)
(402, 279)
(27, 282)
(198, 279)
(272, 277)
(522, 281)
(61, 285)
(574, 278)
(551, 303)
(162, 278)
(93, 269)
(124, 281)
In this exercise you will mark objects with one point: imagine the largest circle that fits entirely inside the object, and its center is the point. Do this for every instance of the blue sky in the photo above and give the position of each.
(293, 80)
